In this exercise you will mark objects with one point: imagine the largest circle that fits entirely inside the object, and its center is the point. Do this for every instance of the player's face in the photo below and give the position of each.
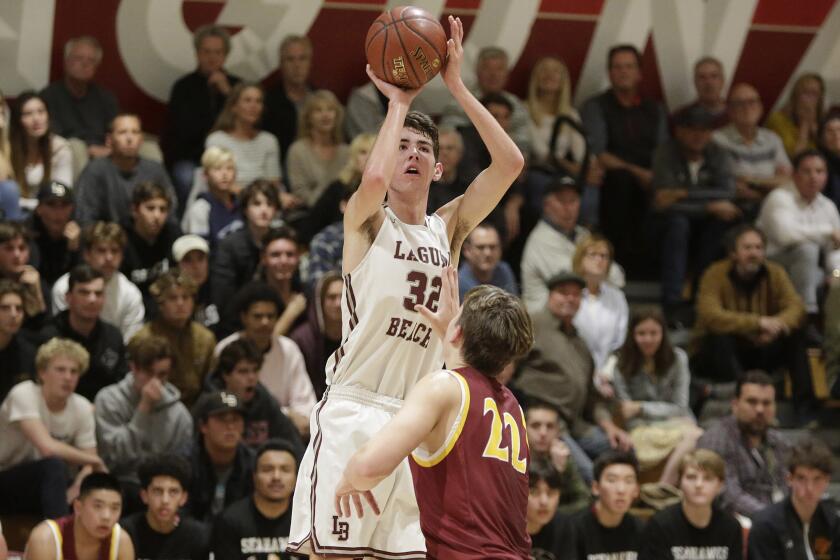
(564, 300)
(260, 211)
(258, 320)
(807, 485)
(221, 177)
(11, 314)
(87, 300)
(648, 337)
(543, 428)
(280, 259)
(483, 250)
(164, 497)
(708, 81)
(14, 256)
(542, 503)
(416, 166)
(617, 488)
(242, 380)
(60, 377)
(34, 118)
(211, 54)
(275, 475)
(195, 265)
(700, 487)
(176, 306)
(126, 136)
(98, 511)
(755, 409)
(224, 430)
(332, 301)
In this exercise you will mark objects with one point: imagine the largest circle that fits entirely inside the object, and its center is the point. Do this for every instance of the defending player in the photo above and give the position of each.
(392, 261)
(465, 433)
(91, 533)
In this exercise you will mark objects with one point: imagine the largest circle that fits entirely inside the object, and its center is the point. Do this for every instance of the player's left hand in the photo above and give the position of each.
(454, 52)
(345, 493)
(448, 303)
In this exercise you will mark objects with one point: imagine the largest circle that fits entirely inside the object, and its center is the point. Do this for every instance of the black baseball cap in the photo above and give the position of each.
(55, 190)
(217, 402)
(561, 184)
(565, 277)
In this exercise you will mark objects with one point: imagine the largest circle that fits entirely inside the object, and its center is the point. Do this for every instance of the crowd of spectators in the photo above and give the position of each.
(191, 290)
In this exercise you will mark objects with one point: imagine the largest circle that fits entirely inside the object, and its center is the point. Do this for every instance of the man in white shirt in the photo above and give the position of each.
(103, 246)
(283, 370)
(802, 225)
(46, 426)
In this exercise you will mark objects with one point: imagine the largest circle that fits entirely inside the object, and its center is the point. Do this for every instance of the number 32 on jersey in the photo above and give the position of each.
(494, 448)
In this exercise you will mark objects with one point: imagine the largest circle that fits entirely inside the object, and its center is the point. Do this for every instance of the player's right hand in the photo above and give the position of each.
(448, 304)
(392, 92)
(344, 493)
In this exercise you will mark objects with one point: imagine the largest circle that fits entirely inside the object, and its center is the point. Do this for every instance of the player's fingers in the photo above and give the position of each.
(345, 506)
(357, 502)
(371, 500)
(338, 505)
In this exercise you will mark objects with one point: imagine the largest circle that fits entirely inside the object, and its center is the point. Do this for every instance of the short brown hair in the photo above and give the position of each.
(424, 124)
(10, 287)
(148, 190)
(13, 230)
(259, 186)
(103, 232)
(144, 351)
(705, 460)
(172, 278)
(810, 453)
(62, 347)
(496, 329)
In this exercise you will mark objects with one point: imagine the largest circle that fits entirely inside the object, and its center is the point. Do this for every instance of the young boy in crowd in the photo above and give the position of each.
(214, 210)
(607, 530)
(695, 528)
(160, 532)
(91, 532)
(551, 532)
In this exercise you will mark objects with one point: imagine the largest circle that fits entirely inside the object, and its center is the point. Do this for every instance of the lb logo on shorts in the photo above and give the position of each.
(341, 528)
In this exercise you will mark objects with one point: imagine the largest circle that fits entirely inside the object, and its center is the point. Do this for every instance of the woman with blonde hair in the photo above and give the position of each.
(38, 156)
(558, 143)
(798, 121)
(256, 152)
(601, 320)
(318, 155)
(327, 209)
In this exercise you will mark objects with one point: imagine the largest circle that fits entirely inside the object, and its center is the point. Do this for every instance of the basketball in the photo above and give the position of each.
(406, 46)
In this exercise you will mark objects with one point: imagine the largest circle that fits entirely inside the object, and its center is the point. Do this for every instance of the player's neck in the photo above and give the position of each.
(87, 545)
(408, 208)
(272, 509)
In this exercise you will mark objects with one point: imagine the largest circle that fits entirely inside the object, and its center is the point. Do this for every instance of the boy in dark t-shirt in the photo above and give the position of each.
(694, 529)
(257, 527)
(160, 533)
(551, 532)
(607, 531)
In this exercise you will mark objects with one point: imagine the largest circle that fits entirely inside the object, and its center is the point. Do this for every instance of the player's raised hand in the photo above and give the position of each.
(447, 306)
(455, 52)
(392, 92)
(345, 493)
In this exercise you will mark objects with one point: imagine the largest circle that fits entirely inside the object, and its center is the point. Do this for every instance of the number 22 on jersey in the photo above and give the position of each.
(494, 448)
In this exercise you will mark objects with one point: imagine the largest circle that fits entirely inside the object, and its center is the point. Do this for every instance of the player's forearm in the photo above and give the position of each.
(363, 473)
(383, 156)
(503, 150)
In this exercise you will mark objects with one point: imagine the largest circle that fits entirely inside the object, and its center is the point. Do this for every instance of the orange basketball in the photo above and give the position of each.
(406, 46)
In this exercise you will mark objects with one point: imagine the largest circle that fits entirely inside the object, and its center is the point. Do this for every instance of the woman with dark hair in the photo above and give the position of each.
(651, 382)
(829, 143)
(37, 155)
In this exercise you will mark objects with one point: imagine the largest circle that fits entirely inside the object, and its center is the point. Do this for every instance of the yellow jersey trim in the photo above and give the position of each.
(427, 460)
(115, 542)
(59, 544)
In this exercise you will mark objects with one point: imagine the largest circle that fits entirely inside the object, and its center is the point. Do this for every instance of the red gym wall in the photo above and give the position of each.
(764, 42)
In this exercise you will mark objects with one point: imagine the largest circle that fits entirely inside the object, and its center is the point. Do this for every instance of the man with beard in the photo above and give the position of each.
(749, 317)
(753, 452)
(257, 527)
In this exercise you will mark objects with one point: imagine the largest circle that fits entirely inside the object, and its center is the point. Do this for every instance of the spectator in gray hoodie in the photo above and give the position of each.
(141, 416)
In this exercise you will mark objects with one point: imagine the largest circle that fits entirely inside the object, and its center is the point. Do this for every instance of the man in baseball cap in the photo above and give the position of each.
(54, 233)
(221, 463)
(191, 254)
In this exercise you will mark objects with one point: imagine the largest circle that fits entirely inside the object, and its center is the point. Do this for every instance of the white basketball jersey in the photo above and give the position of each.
(387, 346)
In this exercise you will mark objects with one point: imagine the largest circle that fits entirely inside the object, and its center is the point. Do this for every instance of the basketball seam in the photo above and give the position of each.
(380, 30)
(407, 54)
(428, 42)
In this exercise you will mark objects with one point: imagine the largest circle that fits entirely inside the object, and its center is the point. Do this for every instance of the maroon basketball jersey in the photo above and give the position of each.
(473, 491)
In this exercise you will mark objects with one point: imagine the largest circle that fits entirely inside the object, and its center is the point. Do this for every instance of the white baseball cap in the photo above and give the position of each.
(187, 243)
